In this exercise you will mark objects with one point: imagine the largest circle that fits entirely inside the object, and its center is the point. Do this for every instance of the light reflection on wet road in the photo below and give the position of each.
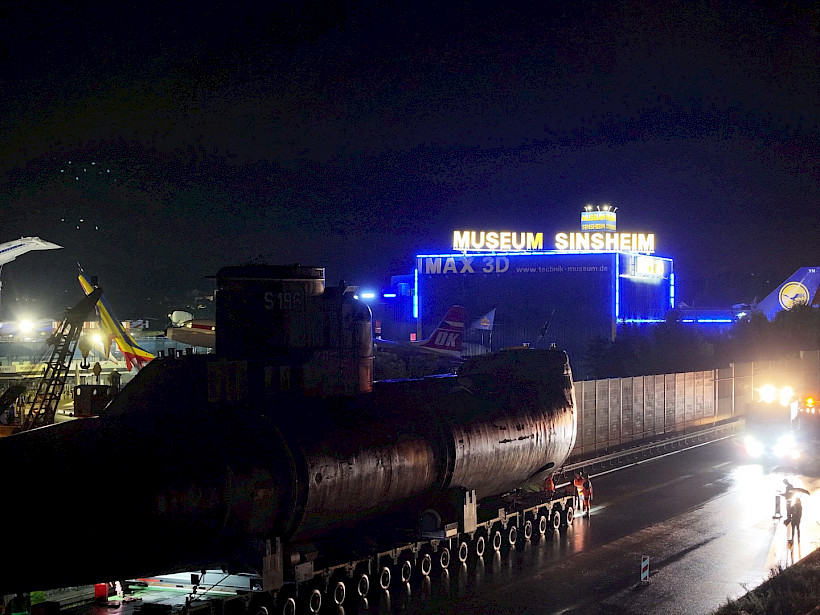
(704, 518)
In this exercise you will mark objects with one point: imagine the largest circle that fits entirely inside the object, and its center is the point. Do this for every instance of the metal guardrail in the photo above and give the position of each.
(603, 464)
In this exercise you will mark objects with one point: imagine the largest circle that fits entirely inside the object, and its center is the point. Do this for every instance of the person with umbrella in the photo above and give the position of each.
(797, 515)
(789, 494)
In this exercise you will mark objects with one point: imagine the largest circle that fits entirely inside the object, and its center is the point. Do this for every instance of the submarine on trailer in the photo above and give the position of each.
(281, 435)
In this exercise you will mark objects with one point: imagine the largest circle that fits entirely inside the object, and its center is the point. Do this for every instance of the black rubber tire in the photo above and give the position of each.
(463, 552)
(444, 558)
(497, 541)
(426, 565)
(315, 601)
(557, 518)
(406, 571)
(363, 586)
(542, 524)
(512, 535)
(528, 529)
(384, 578)
(480, 546)
(569, 515)
(289, 606)
(339, 593)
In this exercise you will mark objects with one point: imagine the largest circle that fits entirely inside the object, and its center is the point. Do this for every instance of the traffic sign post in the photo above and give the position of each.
(644, 569)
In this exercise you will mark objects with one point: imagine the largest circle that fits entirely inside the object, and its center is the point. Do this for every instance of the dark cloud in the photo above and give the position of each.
(355, 135)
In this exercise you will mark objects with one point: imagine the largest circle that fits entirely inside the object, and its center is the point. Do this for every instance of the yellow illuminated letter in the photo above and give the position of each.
(536, 241)
(461, 240)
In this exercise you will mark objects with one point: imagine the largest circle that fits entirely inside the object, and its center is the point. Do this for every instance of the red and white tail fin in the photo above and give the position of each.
(134, 354)
(446, 339)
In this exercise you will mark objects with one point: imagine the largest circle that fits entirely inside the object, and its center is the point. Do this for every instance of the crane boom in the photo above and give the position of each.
(44, 406)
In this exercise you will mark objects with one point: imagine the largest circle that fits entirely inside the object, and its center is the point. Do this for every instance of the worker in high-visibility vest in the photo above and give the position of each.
(579, 488)
(587, 492)
(548, 488)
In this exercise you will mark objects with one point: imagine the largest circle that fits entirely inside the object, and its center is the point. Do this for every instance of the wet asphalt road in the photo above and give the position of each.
(703, 517)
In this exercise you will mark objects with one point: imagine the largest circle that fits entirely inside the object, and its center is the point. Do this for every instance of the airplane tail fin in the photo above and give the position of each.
(485, 323)
(446, 339)
(135, 356)
(801, 288)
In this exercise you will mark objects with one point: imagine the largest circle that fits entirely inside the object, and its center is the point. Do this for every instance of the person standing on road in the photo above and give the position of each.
(788, 492)
(796, 516)
(579, 487)
(586, 486)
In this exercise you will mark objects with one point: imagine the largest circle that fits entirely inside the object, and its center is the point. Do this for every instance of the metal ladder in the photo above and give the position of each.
(44, 406)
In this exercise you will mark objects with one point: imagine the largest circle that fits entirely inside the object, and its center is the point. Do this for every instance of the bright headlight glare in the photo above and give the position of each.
(786, 440)
(785, 396)
(768, 393)
(753, 447)
(786, 446)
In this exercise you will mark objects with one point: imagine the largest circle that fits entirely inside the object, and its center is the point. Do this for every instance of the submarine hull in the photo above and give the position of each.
(168, 480)
(281, 435)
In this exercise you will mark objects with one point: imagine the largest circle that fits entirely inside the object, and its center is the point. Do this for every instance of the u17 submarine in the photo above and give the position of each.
(282, 435)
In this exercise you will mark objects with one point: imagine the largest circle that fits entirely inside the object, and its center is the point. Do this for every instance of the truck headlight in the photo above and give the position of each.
(753, 446)
(786, 446)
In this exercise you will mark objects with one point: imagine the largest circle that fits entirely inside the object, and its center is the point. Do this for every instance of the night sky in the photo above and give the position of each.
(160, 142)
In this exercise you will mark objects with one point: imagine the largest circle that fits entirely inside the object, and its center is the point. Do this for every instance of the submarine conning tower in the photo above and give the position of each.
(315, 340)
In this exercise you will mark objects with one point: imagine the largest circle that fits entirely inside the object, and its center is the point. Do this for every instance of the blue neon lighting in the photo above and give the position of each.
(671, 290)
(368, 295)
(416, 293)
(389, 295)
(528, 253)
(532, 253)
(617, 288)
(687, 320)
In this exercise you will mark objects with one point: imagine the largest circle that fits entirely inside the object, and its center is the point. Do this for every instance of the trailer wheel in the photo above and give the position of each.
(480, 545)
(569, 515)
(444, 558)
(315, 601)
(463, 552)
(542, 525)
(406, 571)
(556, 517)
(497, 541)
(426, 565)
(289, 606)
(339, 592)
(384, 578)
(512, 535)
(527, 529)
(363, 586)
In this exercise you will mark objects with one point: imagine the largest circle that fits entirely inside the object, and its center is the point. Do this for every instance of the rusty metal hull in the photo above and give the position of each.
(168, 480)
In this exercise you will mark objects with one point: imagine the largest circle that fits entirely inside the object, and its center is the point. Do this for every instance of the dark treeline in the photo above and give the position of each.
(673, 346)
